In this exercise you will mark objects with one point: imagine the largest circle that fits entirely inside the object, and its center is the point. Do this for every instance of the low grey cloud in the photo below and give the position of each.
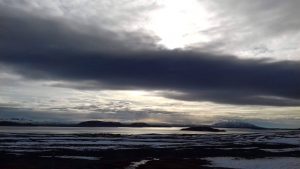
(11, 113)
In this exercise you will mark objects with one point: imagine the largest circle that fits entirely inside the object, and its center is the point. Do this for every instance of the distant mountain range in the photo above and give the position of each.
(12, 123)
(111, 124)
(227, 124)
(236, 124)
(94, 123)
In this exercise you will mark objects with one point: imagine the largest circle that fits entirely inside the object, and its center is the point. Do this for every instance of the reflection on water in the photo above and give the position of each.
(111, 130)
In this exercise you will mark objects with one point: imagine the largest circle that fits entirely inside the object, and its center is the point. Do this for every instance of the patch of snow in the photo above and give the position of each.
(282, 150)
(262, 163)
(17, 154)
(75, 157)
(237, 148)
(294, 141)
(25, 151)
(136, 164)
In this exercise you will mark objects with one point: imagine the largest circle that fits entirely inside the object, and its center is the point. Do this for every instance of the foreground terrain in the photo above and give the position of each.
(259, 150)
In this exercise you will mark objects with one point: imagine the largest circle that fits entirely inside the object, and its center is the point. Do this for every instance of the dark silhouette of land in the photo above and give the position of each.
(191, 127)
(202, 128)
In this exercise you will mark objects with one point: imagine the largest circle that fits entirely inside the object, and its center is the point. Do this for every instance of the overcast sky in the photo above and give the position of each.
(192, 61)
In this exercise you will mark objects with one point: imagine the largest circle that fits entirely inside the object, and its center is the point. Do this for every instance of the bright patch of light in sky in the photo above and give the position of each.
(179, 23)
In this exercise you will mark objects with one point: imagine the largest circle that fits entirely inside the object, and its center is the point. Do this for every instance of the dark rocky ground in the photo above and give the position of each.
(111, 151)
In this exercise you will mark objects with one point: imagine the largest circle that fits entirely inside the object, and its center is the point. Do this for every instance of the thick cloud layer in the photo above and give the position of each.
(199, 76)
(256, 28)
(48, 48)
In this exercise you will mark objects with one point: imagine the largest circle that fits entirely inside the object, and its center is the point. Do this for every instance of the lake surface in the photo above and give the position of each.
(112, 130)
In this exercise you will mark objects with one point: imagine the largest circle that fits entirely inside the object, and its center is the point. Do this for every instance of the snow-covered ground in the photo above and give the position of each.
(73, 157)
(261, 163)
(16, 142)
(253, 150)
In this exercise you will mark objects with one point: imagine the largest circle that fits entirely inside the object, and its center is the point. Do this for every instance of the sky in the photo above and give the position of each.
(155, 61)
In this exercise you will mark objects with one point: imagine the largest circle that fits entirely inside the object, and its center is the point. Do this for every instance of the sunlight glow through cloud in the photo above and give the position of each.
(179, 23)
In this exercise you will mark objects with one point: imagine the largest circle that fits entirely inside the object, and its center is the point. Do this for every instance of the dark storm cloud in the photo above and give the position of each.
(43, 48)
(33, 34)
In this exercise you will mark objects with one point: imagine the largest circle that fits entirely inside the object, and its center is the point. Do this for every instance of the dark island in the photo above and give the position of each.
(99, 124)
(93, 123)
(202, 128)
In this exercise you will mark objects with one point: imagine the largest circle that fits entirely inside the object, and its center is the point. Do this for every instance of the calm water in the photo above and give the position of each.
(111, 130)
